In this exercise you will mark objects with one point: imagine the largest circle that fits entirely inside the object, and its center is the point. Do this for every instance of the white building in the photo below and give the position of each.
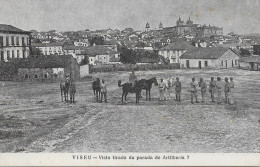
(213, 57)
(50, 48)
(174, 50)
(14, 43)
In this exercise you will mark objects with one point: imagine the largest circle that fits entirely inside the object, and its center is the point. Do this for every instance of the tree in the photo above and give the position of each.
(97, 40)
(128, 56)
(245, 52)
(35, 52)
(85, 60)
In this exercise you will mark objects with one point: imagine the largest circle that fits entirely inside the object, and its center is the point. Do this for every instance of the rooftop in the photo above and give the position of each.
(205, 53)
(179, 45)
(255, 59)
(54, 61)
(99, 50)
(10, 28)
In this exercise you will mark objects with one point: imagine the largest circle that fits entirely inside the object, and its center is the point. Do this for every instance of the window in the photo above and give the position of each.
(26, 76)
(235, 62)
(45, 76)
(23, 43)
(27, 41)
(23, 53)
(17, 41)
(18, 54)
(1, 41)
(12, 56)
(2, 56)
(36, 76)
(8, 55)
(222, 63)
(7, 41)
(206, 63)
(12, 40)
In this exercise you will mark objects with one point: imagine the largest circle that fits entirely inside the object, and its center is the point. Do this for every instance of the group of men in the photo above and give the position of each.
(215, 87)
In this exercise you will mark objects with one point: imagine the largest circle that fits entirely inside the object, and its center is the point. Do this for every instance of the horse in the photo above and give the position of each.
(64, 89)
(72, 91)
(127, 88)
(148, 85)
(96, 86)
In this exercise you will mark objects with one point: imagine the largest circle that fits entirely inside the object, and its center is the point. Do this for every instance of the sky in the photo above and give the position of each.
(239, 16)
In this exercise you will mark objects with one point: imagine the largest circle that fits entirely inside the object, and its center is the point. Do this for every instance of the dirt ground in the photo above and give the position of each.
(33, 118)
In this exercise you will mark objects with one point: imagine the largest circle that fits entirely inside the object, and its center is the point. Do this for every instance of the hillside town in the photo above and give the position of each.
(187, 44)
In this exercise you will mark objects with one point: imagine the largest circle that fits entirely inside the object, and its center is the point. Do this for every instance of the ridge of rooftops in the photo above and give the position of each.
(205, 53)
(51, 61)
(12, 29)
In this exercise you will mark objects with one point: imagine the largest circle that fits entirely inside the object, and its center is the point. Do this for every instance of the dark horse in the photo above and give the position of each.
(64, 89)
(148, 85)
(96, 86)
(127, 88)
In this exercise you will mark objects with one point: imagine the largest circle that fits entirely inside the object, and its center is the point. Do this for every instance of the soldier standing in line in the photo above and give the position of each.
(177, 84)
(203, 87)
(193, 91)
(161, 87)
(212, 89)
(227, 90)
(103, 91)
(232, 87)
(219, 87)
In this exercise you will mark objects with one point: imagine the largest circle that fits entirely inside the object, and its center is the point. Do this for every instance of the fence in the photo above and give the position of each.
(130, 67)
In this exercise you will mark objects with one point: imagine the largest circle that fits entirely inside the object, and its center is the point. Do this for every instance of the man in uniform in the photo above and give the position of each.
(219, 87)
(232, 87)
(161, 87)
(212, 89)
(193, 91)
(177, 85)
(227, 90)
(132, 78)
(203, 88)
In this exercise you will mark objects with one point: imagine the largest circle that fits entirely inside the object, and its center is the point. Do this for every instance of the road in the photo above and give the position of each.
(33, 118)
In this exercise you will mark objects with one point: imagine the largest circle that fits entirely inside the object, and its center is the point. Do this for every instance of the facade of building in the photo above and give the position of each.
(51, 68)
(250, 63)
(174, 50)
(51, 48)
(189, 28)
(100, 54)
(14, 43)
(213, 57)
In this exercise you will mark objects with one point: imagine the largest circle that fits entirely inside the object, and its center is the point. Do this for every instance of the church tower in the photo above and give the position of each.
(179, 22)
(147, 27)
(160, 26)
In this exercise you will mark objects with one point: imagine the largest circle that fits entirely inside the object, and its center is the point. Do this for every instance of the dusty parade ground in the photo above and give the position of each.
(33, 118)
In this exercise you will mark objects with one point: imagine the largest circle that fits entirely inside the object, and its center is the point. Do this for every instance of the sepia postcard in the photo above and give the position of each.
(129, 83)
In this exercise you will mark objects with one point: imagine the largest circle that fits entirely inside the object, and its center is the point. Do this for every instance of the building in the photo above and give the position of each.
(174, 50)
(48, 68)
(51, 48)
(100, 54)
(250, 63)
(213, 57)
(14, 43)
(189, 28)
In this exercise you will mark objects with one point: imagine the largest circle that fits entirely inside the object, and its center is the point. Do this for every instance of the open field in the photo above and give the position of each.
(33, 118)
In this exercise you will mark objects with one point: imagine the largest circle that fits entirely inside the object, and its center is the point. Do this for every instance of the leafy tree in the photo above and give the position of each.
(245, 52)
(35, 52)
(97, 40)
(128, 56)
(85, 60)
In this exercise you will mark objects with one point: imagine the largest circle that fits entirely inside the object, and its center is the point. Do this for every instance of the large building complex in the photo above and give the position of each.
(189, 28)
(14, 43)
